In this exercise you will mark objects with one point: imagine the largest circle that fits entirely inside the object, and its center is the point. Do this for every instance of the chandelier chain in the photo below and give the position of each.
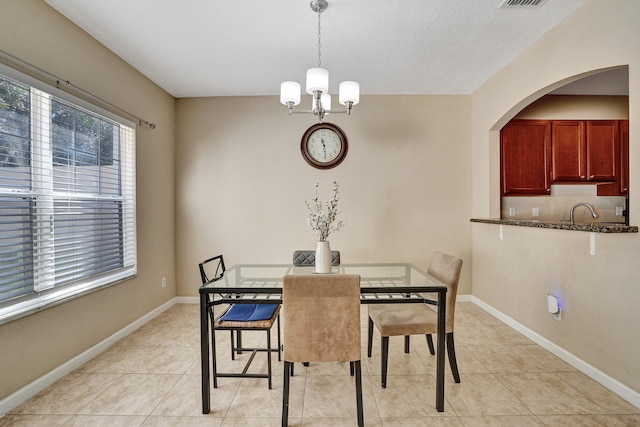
(319, 57)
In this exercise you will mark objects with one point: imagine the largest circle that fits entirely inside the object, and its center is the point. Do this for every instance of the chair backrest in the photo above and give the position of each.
(309, 258)
(212, 269)
(446, 268)
(321, 316)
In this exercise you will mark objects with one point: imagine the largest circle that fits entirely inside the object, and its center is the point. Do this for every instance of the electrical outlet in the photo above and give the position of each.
(558, 315)
(164, 282)
(512, 211)
(535, 212)
(619, 211)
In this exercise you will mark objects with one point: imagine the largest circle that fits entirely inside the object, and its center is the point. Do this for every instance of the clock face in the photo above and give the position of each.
(324, 145)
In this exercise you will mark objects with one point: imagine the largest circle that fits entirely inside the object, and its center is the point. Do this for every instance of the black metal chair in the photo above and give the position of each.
(236, 318)
(304, 257)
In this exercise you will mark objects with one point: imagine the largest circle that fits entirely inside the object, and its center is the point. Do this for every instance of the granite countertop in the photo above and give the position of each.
(605, 227)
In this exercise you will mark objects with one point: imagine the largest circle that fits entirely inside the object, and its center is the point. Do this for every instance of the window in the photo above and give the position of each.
(67, 198)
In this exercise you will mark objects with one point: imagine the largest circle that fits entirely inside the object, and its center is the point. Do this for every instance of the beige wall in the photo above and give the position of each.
(577, 107)
(32, 346)
(242, 182)
(600, 292)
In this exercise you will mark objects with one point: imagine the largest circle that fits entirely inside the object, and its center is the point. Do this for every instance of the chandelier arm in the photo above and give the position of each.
(301, 112)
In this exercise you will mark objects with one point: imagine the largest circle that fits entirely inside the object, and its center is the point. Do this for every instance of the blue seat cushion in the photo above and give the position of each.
(249, 312)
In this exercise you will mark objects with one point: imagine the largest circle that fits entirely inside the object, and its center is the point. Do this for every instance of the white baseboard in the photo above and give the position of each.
(25, 393)
(615, 386)
(187, 300)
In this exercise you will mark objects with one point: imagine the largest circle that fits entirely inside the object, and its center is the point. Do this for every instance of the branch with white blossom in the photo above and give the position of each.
(323, 222)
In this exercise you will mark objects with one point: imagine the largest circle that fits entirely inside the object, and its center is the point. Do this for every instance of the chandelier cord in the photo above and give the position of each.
(319, 57)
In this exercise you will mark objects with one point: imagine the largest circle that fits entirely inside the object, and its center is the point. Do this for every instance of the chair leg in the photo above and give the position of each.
(233, 352)
(213, 346)
(384, 360)
(279, 343)
(213, 357)
(288, 368)
(358, 370)
(239, 341)
(451, 351)
(269, 356)
(370, 337)
(430, 344)
(407, 343)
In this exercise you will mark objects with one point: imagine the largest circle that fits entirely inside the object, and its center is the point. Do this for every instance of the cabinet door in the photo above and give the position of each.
(568, 151)
(624, 157)
(525, 157)
(603, 150)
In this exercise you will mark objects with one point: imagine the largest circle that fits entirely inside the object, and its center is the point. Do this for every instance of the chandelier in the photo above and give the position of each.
(318, 84)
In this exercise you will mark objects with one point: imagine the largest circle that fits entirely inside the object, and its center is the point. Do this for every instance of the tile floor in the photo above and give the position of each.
(151, 378)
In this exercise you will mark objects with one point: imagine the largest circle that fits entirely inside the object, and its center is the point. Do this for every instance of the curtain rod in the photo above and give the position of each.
(60, 81)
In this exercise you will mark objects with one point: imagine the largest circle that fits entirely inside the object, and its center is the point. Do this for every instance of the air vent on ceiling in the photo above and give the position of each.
(521, 3)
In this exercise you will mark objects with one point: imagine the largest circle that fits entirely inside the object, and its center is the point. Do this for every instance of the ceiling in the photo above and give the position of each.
(194, 48)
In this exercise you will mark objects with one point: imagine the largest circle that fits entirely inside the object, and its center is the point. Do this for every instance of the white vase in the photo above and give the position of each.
(323, 257)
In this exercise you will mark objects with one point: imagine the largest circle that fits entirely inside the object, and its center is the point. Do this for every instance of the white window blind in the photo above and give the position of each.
(67, 199)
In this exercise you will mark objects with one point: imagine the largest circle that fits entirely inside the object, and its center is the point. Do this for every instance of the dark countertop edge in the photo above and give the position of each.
(595, 228)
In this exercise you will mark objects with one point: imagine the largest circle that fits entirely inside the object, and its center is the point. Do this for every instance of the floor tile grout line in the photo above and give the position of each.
(78, 412)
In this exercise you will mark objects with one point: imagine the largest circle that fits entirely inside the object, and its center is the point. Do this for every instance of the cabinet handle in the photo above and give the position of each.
(592, 176)
(581, 176)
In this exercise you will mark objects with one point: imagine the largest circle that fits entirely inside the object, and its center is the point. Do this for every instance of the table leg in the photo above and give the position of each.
(204, 352)
(442, 320)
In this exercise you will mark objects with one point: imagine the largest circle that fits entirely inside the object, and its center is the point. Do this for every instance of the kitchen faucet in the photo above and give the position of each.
(573, 208)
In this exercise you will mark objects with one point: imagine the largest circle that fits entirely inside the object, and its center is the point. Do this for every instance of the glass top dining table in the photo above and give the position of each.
(380, 283)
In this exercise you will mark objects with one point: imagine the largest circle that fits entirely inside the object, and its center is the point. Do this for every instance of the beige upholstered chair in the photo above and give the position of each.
(237, 318)
(417, 319)
(321, 316)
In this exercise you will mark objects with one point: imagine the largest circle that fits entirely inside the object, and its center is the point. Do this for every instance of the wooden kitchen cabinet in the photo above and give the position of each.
(603, 150)
(585, 151)
(525, 158)
(568, 151)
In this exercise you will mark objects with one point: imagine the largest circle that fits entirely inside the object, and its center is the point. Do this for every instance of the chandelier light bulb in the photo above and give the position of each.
(325, 100)
(290, 92)
(317, 80)
(349, 92)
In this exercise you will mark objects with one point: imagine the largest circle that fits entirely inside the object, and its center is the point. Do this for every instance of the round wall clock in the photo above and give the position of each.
(324, 145)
